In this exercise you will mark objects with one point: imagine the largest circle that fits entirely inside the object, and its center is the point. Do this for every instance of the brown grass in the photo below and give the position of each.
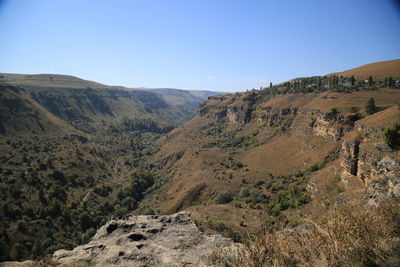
(378, 70)
(347, 236)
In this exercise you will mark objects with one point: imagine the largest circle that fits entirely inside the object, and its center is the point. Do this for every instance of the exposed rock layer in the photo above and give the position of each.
(146, 241)
(365, 155)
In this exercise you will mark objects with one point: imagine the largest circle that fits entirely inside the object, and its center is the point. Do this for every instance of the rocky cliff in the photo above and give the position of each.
(319, 119)
(333, 116)
(237, 108)
(146, 241)
(365, 156)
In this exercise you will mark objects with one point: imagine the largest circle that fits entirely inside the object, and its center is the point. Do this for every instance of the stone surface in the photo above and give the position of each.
(27, 263)
(375, 164)
(147, 241)
(349, 155)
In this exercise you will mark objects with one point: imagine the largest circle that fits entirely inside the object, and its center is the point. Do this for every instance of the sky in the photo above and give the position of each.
(223, 45)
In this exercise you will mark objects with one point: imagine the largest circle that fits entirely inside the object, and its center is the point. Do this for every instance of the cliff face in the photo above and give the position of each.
(236, 108)
(365, 156)
(333, 117)
(349, 154)
(306, 121)
(146, 241)
(242, 108)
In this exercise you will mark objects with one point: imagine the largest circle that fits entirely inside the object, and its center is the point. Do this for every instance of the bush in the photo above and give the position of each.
(21, 225)
(370, 107)
(85, 220)
(391, 135)
(148, 211)
(258, 183)
(244, 192)
(223, 197)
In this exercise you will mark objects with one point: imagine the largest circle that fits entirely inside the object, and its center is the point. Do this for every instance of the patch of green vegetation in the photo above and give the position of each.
(317, 84)
(214, 129)
(274, 194)
(139, 125)
(219, 227)
(322, 164)
(230, 139)
(391, 135)
(148, 211)
(224, 197)
(48, 184)
(370, 107)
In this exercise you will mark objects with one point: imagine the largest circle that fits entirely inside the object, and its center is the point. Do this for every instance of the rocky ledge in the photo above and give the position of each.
(172, 240)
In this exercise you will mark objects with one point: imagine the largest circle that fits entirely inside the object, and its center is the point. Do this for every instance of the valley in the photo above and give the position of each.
(75, 154)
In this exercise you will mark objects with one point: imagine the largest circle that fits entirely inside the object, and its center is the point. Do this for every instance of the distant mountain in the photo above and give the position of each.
(84, 103)
(188, 100)
(49, 80)
(378, 70)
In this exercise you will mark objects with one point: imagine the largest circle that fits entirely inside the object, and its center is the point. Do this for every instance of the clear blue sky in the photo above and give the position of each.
(205, 44)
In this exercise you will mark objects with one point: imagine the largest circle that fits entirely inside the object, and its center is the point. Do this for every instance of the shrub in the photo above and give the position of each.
(391, 135)
(148, 211)
(85, 220)
(21, 225)
(258, 183)
(85, 238)
(370, 107)
(223, 197)
(244, 192)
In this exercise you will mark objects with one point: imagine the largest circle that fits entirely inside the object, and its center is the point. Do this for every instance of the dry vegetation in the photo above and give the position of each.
(346, 236)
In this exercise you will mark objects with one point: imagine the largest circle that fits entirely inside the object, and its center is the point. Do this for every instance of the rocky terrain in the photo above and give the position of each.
(152, 240)
(365, 156)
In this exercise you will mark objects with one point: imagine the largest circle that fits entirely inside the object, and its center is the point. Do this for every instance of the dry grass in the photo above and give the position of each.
(378, 70)
(347, 236)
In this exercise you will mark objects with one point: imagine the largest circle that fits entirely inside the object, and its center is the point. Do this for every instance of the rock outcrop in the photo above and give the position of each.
(172, 240)
(236, 108)
(349, 154)
(27, 263)
(365, 156)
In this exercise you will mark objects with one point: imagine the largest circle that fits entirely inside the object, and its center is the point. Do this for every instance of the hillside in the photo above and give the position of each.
(87, 106)
(237, 162)
(68, 149)
(183, 104)
(378, 70)
(254, 162)
(49, 80)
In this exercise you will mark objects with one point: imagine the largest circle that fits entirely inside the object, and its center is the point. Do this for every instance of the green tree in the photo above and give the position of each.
(370, 107)
(270, 85)
(391, 135)
(85, 220)
(352, 80)
(390, 82)
(370, 81)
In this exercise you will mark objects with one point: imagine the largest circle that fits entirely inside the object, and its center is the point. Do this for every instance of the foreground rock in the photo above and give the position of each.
(147, 241)
(27, 263)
